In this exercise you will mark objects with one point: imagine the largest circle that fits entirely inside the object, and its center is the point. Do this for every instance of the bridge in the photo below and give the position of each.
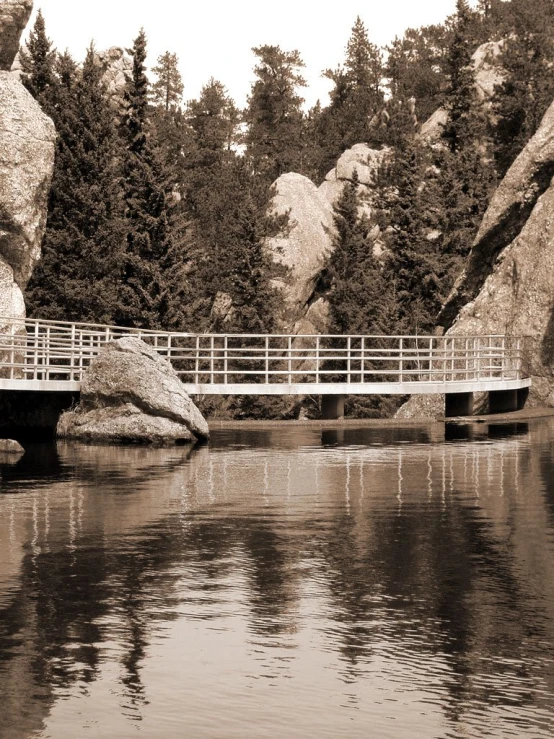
(52, 356)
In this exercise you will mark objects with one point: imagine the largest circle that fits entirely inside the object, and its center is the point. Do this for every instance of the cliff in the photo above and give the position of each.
(508, 284)
(27, 140)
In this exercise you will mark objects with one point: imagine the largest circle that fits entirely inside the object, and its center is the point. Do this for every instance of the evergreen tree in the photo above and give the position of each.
(78, 276)
(37, 63)
(145, 292)
(356, 288)
(356, 97)
(167, 89)
(528, 88)
(273, 113)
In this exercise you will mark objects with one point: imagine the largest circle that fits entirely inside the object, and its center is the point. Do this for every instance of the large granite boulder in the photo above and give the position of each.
(14, 16)
(304, 248)
(510, 208)
(27, 140)
(508, 285)
(117, 69)
(132, 394)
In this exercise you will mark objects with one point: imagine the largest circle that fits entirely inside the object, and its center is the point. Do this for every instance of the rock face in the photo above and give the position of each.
(9, 446)
(117, 68)
(488, 74)
(14, 16)
(131, 394)
(304, 249)
(27, 140)
(508, 285)
(511, 206)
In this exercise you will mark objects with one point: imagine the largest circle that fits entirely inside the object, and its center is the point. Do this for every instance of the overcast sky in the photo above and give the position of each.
(213, 38)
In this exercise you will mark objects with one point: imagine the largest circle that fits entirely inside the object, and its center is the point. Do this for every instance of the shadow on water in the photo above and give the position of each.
(407, 556)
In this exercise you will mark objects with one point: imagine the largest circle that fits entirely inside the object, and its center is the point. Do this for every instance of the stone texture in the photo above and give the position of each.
(131, 393)
(510, 207)
(304, 249)
(117, 68)
(508, 286)
(488, 74)
(14, 16)
(362, 159)
(27, 139)
(9, 446)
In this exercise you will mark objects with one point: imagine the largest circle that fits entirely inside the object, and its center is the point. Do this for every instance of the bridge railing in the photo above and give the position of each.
(50, 350)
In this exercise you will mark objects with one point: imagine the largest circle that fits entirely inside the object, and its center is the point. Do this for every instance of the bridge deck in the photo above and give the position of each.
(53, 357)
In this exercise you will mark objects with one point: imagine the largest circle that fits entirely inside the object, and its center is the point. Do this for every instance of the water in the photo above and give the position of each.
(282, 583)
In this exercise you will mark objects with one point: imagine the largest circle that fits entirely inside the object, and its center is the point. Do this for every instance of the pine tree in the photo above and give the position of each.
(356, 97)
(528, 88)
(145, 293)
(78, 275)
(37, 63)
(167, 90)
(273, 113)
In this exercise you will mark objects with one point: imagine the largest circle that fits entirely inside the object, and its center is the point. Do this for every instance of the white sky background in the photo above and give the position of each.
(213, 38)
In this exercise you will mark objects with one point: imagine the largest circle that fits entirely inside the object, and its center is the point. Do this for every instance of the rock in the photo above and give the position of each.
(14, 16)
(9, 446)
(488, 74)
(117, 68)
(306, 246)
(132, 394)
(362, 159)
(27, 139)
(509, 209)
(508, 286)
(433, 127)
(11, 298)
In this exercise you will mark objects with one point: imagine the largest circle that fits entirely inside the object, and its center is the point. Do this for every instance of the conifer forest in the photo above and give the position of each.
(160, 204)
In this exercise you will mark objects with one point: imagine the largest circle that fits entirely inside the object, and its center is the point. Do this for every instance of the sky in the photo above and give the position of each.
(214, 38)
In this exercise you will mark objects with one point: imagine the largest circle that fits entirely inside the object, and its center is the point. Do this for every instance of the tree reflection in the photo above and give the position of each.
(419, 550)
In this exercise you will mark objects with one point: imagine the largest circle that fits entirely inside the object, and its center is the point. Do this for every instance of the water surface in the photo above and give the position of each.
(282, 583)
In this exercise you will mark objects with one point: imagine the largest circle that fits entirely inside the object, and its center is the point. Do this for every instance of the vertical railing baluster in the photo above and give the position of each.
(349, 358)
(12, 350)
(267, 360)
(362, 359)
(401, 359)
(289, 351)
(212, 360)
(197, 361)
(317, 359)
(225, 358)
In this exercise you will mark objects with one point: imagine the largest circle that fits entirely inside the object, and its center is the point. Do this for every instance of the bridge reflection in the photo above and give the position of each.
(416, 548)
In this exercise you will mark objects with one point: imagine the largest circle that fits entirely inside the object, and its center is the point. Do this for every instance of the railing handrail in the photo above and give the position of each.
(60, 351)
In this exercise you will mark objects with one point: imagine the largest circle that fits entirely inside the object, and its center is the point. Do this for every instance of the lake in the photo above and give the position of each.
(282, 582)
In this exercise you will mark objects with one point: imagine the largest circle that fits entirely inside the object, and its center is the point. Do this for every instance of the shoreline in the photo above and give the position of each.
(525, 414)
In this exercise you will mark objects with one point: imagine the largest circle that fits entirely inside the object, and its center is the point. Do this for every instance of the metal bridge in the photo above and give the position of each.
(52, 356)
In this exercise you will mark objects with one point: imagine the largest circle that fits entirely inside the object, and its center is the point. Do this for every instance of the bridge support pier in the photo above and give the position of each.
(332, 407)
(504, 401)
(458, 404)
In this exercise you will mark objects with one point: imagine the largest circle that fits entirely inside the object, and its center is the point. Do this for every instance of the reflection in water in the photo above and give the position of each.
(396, 582)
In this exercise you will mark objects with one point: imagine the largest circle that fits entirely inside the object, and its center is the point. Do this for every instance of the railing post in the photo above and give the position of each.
(267, 360)
(225, 359)
(197, 361)
(362, 359)
(289, 350)
(212, 360)
(349, 359)
(72, 356)
(317, 359)
(401, 358)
